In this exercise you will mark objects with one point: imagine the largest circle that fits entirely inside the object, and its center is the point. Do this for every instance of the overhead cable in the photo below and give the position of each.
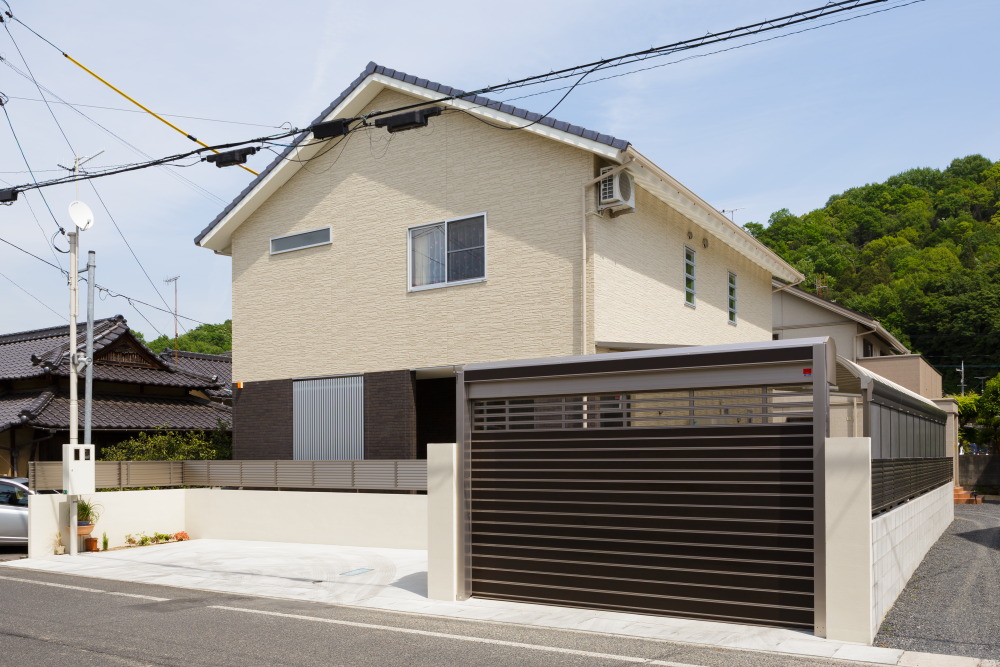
(607, 63)
(58, 100)
(42, 303)
(119, 91)
(72, 149)
(100, 288)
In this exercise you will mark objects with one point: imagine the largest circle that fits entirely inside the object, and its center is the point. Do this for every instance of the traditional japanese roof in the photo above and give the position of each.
(376, 78)
(47, 409)
(118, 357)
(207, 365)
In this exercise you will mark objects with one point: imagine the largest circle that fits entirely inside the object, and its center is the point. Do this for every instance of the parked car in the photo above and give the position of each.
(14, 494)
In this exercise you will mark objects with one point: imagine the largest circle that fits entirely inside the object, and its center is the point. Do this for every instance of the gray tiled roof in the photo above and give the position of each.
(205, 365)
(18, 407)
(121, 412)
(39, 352)
(444, 91)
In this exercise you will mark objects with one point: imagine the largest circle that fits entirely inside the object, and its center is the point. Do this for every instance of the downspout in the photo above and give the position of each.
(584, 248)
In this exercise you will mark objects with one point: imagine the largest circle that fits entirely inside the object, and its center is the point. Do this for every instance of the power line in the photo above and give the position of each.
(607, 63)
(3, 104)
(138, 111)
(55, 119)
(119, 91)
(57, 99)
(45, 305)
(38, 223)
(712, 53)
(106, 292)
(654, 52)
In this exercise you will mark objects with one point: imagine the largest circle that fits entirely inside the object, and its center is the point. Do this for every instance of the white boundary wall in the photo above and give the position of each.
(900, 540)
(397, 521)
(869, 561)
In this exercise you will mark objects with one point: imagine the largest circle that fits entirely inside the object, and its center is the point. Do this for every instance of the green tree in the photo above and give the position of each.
(164, 445)
(988, 416)
(205, 338)
(919, 252)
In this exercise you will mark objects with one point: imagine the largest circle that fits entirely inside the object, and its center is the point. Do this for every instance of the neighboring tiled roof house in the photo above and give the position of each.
(218, 366)
(134, 390)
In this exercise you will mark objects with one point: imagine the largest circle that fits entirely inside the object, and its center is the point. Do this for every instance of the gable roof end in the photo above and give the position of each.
(431, 90)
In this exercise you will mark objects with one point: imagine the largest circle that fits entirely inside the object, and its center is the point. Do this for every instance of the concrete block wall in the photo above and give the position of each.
(900, 540)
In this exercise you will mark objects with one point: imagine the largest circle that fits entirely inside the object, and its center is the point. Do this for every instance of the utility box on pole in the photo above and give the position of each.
(79, 469)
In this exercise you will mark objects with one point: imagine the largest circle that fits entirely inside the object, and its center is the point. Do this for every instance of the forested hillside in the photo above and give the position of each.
(919, 252)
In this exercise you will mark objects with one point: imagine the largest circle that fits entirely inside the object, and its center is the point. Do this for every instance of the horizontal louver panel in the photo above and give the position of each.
(596, 502)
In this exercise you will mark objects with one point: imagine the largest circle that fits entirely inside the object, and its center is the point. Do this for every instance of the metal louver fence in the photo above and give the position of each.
(895, 481)
(410, 475)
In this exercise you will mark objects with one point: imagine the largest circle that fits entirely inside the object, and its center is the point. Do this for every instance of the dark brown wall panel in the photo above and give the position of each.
(262, 420)
(390, 415)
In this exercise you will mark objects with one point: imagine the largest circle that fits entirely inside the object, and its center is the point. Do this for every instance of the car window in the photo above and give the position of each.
(12, 495)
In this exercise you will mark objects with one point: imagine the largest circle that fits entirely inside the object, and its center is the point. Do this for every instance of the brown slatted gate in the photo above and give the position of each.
(695, 503)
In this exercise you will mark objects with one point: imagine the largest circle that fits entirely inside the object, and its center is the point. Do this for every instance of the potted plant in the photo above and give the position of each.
(87, 514)
(58, 546)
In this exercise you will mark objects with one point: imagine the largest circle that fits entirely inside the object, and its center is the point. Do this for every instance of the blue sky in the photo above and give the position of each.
(781, 124)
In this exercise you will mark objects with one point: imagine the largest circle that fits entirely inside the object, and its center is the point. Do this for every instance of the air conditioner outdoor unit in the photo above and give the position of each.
(616, 192)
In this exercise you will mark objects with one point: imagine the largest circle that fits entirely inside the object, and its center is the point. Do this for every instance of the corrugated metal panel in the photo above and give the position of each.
(328, 419)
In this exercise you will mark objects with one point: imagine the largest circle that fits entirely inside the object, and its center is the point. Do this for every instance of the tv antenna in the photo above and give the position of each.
(731, 211)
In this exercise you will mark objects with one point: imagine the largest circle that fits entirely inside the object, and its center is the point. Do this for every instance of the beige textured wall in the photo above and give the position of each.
(791, 311)
(344, 308)
(638, 277)
(910, 370)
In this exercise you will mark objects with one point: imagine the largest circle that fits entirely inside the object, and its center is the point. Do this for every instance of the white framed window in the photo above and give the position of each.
(310, 239)
(689, 277)
(732, 298)
(450, 252)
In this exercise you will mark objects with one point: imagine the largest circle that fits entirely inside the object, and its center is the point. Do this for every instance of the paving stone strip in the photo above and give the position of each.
(952, 603)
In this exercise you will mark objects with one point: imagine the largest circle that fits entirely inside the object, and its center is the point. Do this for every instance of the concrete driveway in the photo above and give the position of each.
(396, 579)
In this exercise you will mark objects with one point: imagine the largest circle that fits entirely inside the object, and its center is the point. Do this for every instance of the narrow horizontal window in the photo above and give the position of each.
(309, 239)
(448, 253)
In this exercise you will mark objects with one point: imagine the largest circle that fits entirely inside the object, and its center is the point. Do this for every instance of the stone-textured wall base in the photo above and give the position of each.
(900, 540)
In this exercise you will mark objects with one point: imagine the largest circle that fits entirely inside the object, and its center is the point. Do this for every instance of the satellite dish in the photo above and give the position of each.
(81, 215)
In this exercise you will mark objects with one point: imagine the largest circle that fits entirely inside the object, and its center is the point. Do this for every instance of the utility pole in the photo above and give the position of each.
(961, 383)
(174, 281)
(74, 408)
(82, 218)
(88, 386)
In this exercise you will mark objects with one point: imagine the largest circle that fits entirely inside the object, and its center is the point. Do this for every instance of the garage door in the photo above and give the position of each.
(689, 502)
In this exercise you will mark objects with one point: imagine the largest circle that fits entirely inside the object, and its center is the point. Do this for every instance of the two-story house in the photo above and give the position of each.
(367, 266)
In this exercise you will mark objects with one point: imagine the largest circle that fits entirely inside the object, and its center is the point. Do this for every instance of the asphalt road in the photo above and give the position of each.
(55, 619)
(951, 604)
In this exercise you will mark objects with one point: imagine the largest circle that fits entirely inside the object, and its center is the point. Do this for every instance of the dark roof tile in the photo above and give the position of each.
(138, 412)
